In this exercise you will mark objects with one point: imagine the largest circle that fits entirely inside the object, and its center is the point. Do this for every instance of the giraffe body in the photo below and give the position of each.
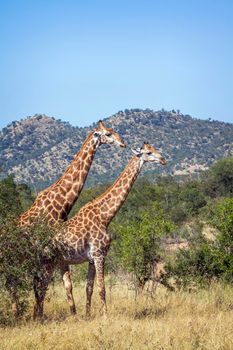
(85, 236)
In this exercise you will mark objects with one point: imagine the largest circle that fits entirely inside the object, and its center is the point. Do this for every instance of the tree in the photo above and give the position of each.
(22, 252)
(14, 198)
(206, 260)
(218, 181)
(222, 220)
(195, 265)
(138, 243)
(193, 198)
(9, 197)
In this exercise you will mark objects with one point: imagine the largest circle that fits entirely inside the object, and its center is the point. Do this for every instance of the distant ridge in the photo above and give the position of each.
(36, 150)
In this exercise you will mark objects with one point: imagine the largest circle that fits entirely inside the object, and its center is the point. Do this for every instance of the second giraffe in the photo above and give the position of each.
(85, 236)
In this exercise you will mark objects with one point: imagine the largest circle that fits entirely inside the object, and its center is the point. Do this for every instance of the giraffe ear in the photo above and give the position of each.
(136, 151)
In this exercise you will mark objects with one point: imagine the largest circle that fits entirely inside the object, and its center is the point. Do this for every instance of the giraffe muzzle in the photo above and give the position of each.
(163, 161)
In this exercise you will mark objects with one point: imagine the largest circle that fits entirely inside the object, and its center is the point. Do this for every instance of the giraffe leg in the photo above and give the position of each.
(66, 276)
(40, 287)
(89, 287)
(99, 266)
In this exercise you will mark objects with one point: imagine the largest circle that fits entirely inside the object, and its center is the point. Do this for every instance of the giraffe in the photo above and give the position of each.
(55, 202)
(85, 236)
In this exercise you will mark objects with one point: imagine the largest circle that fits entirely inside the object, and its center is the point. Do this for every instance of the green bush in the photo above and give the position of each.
(14, 199)
(207, 260)
(138, 243)
(22, 251)
(222, 219)
(196, 265)
(218, 180)
(192, 198)
(9, 198)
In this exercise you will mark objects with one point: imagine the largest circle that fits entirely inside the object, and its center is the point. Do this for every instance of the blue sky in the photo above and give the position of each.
(85, 60)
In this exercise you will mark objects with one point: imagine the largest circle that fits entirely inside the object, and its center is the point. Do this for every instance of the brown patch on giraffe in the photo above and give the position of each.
(104, 208)
(94, 228)
(79, 166)
(55, 214)
(68, 186)
(96, 221)
(69, 178)
(63, 190)
(46, 202)
(84, 156)
(66, 207)
(103, 217)
(50, 207)
(59, 198)
(57, 205)
(125, 181)
(114, 192)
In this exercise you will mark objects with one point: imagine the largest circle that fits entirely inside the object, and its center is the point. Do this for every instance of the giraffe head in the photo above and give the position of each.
(108, 135)
(149, 154)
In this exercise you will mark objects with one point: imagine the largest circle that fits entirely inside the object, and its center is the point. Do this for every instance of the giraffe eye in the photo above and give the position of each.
(108, 134)
(149, 153)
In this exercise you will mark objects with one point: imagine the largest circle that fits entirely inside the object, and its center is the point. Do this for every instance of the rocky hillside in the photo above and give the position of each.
(38, 149)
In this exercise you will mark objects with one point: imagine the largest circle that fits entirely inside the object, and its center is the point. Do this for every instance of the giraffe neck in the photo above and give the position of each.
(111, 200)
(71, 183)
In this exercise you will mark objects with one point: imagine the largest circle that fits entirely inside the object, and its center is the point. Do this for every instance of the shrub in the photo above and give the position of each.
(222, 219)
(22, 251)
(207, 260)
(195, 265)
(138, 244)
(218, 181)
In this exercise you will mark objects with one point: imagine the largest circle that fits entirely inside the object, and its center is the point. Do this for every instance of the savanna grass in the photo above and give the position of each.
(172, 320)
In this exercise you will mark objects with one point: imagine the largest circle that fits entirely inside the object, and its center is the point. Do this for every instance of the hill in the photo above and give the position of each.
(36, 150)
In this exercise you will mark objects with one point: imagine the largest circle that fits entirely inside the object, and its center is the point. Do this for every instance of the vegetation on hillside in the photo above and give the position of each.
(36, 150)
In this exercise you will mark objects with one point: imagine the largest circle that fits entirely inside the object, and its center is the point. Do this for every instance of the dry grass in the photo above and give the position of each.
(200, 320)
